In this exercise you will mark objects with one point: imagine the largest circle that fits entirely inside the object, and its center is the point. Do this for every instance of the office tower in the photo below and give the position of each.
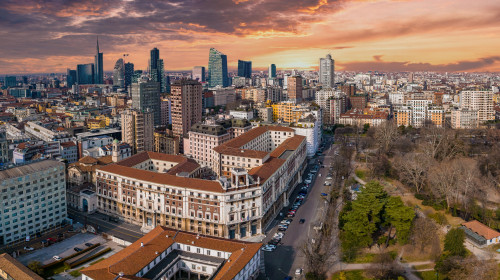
(85, 74)
(156, 68)
(137, 129)
(272, 71)
(294, 88)
(70, 78)
(129, 73)
(244, 68)
(119, 73)
(186, 106)
(10, 81)
(217, 69)
(198, 73)
(166, 82)
(146, 95)
(480, 101)
(34, 196)
(136, 76)
(98, 64)
(25, 80)
(327, 71)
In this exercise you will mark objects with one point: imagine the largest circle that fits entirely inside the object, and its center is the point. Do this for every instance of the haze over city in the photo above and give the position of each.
(427, 35)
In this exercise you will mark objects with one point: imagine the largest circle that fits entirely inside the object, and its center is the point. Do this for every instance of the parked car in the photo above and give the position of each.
(78, 249)
(329, 177)
(301, 221)
(279, 235)
(29, 248)
(268, 248)
(273, 242)
(298, 271)
(324, 194)
(89, 244)
(57, 258)
(283, 228)
(307, 181)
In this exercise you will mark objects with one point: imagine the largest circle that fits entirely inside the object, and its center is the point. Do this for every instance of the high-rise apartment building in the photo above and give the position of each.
(137, 129)
(480, 101)
(327, 71)
(294, 88)
(33, 199)
(146, 95)
(166, 111)
(119, 73)
(186, 106)
(464, 118)
(99, 68)
(272, 71)
(4, 148)
(417, 112)
(129, 73)
(244, 68)
(85, 74)
(217, 69)
(198, 74)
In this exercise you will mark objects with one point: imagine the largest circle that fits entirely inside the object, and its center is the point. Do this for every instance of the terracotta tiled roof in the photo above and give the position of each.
(135, 257)
(482, 229)
(68, 144)
(16, 269)
(87, 160)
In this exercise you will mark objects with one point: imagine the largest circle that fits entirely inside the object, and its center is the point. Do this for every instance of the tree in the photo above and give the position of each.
(412, 169)
(370, 202)
(472, 268)
(385, 267)
(400, 216)
(385, 135)
(36, 267)
(454, 242)
(424, 233)
(440, 143)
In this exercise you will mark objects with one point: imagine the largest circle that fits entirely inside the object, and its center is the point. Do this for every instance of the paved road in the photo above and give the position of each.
(125, 231)
(288, 257)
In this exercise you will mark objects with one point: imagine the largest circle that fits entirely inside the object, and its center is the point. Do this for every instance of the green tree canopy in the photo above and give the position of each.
(454, 242)
(400, 216)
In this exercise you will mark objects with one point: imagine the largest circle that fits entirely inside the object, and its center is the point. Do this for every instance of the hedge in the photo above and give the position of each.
(75, 264)
(56, 263)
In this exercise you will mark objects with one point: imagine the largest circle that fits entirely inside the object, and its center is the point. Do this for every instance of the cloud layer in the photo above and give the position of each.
(52, 35)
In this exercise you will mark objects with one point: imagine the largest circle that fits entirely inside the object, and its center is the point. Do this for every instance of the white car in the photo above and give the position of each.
(329, 178)
(268, 248)
(307, 181)
(57, 258)
(298, 271)
(29, 248)
(279, 234)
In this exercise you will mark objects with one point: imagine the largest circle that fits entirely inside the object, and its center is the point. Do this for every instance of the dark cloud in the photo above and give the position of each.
(383, 66)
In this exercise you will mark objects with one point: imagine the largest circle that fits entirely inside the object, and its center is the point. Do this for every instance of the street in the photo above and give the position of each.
(288, 256)
(124, 231)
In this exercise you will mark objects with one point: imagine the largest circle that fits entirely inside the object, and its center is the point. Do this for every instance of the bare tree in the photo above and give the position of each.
(440, 143)
(384, 267)
(424, 234)
(472, 268)
(385, 135)
(444, 178)
(412, 169)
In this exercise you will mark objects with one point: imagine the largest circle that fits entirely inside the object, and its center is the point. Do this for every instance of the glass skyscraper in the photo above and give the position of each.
(244, 68)
(272, 71)
(129, 73)
(98, 64)
(119, 73)
(217, 69)
(70, 78)
(156, 68)
(85, 74)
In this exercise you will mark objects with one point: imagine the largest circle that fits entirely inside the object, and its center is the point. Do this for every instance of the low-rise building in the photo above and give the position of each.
(11, 269)
(69, 151)
(480, 234)
(165, 141)
(359, 118)
(170, 254)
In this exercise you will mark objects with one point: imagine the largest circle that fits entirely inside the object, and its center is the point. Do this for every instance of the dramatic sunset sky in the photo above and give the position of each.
(41, 36)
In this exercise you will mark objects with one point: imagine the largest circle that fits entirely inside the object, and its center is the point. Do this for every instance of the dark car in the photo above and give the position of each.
(78, 249)
(301, 221)
(89, 244)
(273, 242)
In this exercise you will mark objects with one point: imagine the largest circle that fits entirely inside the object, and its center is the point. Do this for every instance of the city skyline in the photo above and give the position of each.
(360, 35)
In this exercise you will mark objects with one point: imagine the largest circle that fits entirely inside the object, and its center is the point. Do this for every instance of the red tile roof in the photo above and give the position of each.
(482, 229)
(135, 257)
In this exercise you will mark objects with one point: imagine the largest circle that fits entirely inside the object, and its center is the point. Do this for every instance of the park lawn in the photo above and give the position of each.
(361, 174)
(429, 275)
(424, 266)
(351, 275)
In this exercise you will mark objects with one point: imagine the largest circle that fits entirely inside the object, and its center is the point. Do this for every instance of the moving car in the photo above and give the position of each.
(324, 194)
(301, 221)
(298, 271)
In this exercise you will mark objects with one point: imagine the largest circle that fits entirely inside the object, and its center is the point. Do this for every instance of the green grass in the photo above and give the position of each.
(53, 270)
(429, 275)
(94, 262)
(364, 258)
(360, 173)
(76, 272)
(350, 275)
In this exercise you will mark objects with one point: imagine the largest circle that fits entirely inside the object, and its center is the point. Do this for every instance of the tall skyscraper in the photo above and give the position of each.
(70, 77)
(156, 68)
(10, 81)
(85, 74)
(198, 73)
(146, 95)
(137, 129)
(327, 71)
(129, 73)
(244, 68)
(119, 73)
(186, 106)
(294, 88)
(98, 64)
(217, 69)
(272, 71)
